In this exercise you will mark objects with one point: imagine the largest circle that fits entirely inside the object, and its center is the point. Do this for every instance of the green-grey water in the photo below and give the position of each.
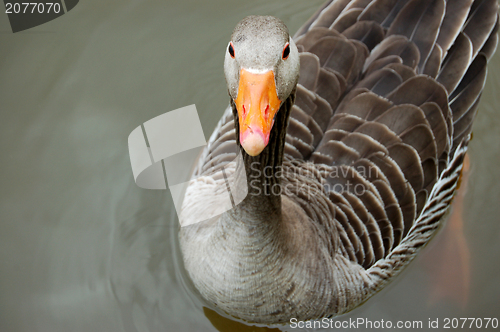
(84, 249)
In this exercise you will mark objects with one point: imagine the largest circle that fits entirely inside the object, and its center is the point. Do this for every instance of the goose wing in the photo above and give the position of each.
(387, 95)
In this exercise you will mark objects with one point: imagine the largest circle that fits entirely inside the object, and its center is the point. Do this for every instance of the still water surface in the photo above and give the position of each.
(84, 249)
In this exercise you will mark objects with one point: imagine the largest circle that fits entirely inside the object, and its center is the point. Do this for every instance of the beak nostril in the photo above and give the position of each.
(244, 111)
(266, 112)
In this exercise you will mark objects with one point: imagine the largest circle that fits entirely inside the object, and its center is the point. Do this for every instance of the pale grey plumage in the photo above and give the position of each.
(379, 90)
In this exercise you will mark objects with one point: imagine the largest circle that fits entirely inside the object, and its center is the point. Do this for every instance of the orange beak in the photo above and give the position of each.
(257, 103)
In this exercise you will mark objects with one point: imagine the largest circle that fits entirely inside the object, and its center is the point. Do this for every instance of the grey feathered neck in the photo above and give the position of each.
(262, 171)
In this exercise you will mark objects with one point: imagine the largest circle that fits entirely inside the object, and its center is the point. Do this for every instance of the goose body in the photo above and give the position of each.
(351, 161)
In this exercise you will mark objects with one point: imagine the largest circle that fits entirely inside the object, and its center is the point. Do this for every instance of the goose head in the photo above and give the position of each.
(262, 69)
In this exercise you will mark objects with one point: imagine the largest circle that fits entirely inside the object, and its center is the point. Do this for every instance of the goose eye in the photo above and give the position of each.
(231, 50)
(286, 51)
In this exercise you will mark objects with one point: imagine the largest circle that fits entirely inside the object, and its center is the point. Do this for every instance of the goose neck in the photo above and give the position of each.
(263, 172)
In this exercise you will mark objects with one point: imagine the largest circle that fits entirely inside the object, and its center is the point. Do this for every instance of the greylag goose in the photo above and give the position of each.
(352, 136)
